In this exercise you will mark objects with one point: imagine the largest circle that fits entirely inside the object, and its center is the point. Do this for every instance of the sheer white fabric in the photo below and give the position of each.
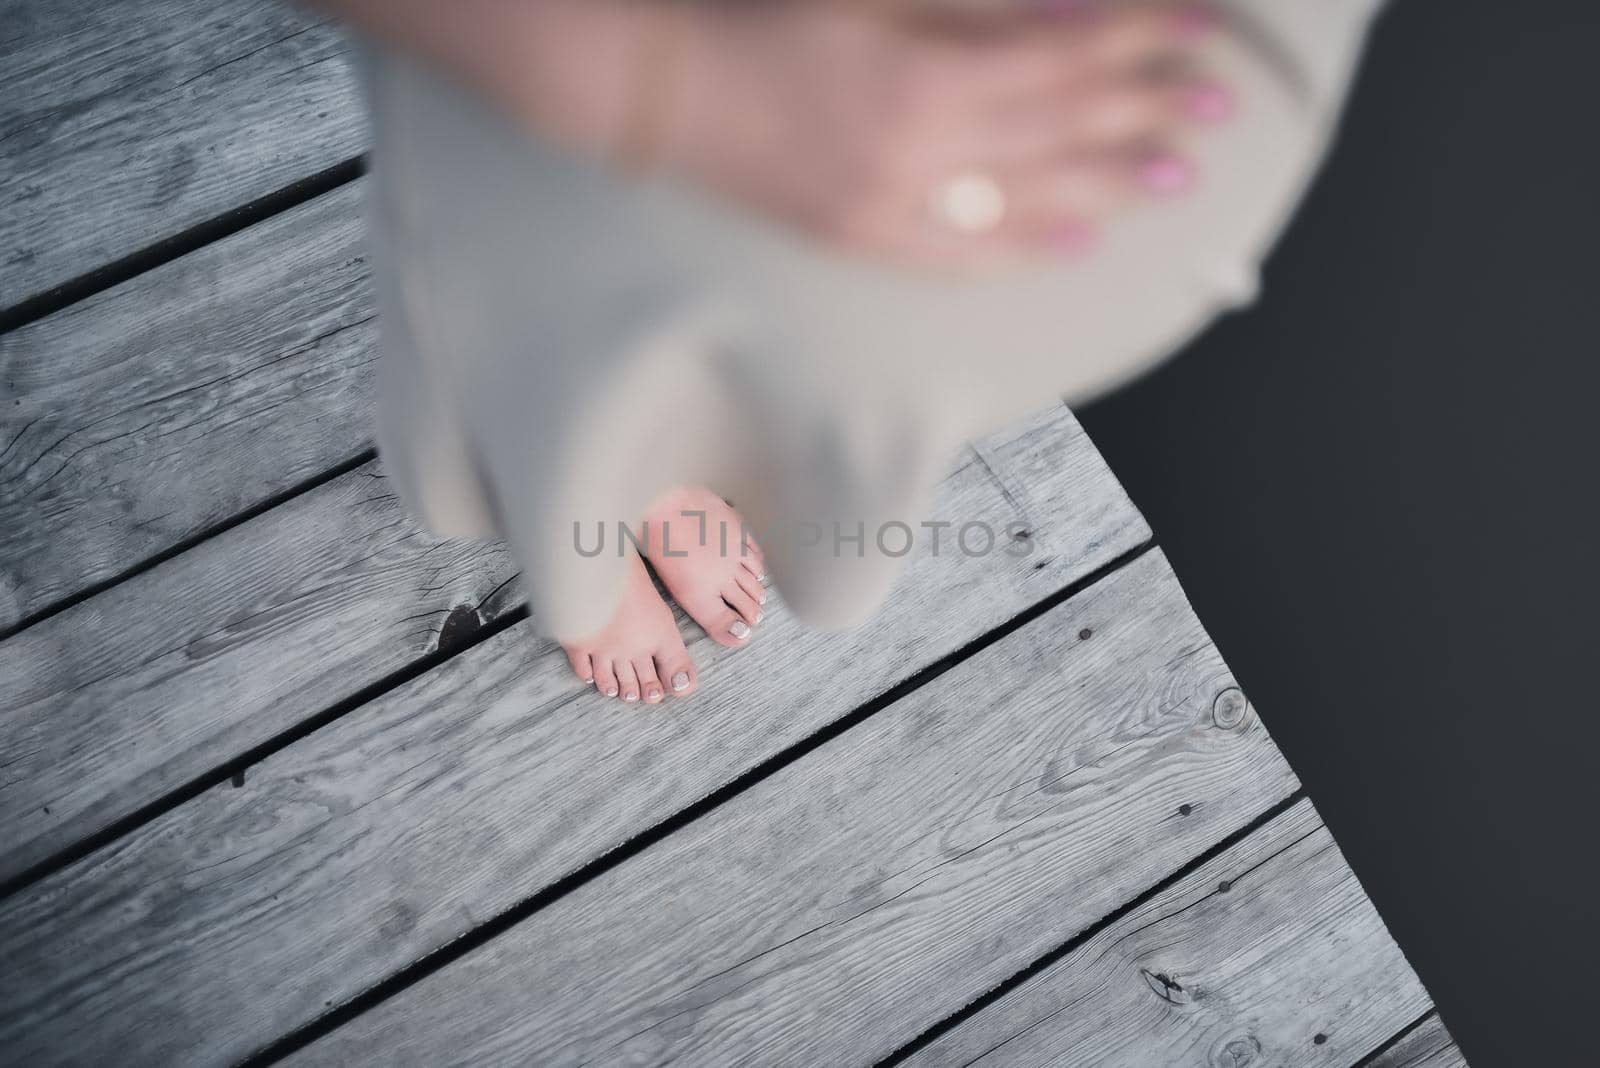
(561, 343)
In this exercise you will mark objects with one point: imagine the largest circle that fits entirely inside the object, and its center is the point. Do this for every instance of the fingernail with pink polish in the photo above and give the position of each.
(1193, 21)
(1072, 237)
(1208, 102)
(1167, 175)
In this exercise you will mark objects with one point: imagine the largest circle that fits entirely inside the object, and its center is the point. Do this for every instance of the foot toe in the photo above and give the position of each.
(627, 681)
(721, 623)
(579, 659)
(605, 678)
(742, 603)
(674, 666)
(650, 687)
(752, 558)
(751, 586)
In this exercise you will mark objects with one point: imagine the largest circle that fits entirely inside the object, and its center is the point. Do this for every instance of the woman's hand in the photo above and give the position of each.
(899, 129)
(936, 138)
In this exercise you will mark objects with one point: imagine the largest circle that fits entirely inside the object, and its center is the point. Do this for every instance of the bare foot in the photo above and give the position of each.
(698, 545)
(638, 649)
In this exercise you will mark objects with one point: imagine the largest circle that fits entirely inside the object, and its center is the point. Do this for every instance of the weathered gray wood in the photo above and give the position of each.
(225, 922)
(147, 414)
(843, 904)
(109, 705)
(1428, 1046)
(122, 124)
(1289, 966)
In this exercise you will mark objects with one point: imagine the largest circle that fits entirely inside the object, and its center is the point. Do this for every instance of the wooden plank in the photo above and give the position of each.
(1290, 965)
(1429, 1045)
(143, 416)
(843, 904)
(142, 688)
(135, 692)
(227, 921)
(123, 124)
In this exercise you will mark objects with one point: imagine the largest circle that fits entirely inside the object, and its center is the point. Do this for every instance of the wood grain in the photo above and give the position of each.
(111, 704)
(1429, 1045)
(137, 419)
(1290, 965)
(843, 904)
(123, 124)
(827, 914)
(241, 914)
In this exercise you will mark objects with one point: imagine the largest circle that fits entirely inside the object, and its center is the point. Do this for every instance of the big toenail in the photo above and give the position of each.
(739, 629)
(680, 681)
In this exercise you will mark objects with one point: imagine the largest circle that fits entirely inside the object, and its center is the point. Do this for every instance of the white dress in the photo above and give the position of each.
(561, 343)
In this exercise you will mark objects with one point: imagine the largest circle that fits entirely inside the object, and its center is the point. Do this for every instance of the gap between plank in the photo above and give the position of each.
(54, 299)
(439, 958)
(1395, 1039)
(1071, 945)
(261, 507)
(236, 767)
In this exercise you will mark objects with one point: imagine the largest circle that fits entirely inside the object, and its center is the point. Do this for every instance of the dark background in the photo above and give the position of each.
(1378, 487)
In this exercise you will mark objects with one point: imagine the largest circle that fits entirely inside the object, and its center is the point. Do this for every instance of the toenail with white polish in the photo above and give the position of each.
(611, 692)
(630, 697)
(760, 616)
(763, 598)
(739, 629)
(680, 681)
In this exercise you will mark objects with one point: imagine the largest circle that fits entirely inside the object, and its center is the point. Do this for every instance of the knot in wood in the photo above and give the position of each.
(1237, 1051)
(1166, 987)
(1229, 708)
(459, 627)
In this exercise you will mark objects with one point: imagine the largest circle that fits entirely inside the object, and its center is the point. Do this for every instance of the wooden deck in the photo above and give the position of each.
(284, 778)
